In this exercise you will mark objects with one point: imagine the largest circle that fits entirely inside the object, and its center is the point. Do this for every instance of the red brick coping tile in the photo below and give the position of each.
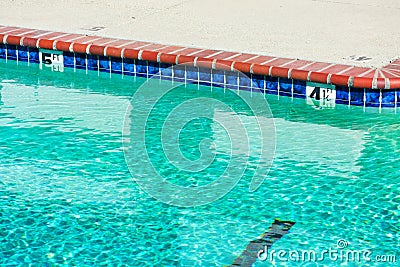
(387, 77)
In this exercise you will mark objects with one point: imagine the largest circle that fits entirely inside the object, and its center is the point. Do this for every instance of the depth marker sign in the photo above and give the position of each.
(52, 59)
(321, 95)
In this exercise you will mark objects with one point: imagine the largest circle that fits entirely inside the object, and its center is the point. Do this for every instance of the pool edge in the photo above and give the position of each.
(375, 80)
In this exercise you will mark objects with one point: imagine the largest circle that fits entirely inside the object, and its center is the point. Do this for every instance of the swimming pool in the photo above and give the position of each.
(67, 197)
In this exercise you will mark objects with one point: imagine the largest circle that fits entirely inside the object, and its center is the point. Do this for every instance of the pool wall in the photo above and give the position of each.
(357, 86)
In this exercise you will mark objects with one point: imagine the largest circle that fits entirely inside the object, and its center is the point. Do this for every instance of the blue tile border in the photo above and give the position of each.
(231, 79)
(12, 52)
(285, 87)
(271, 85)
(3, 52)
(116, 65)
(373, 98)
(205, 75)
(357, 97)
(218, 77)
(104, 64)
(128, 66)
(92, 62)
(387, 98)
(80, 61)
(69, 60)
(299, 89)
(192, 74)
(141, 67)
(23, 53)
(257, 83)
(179, 73)
(33, 55)
(342, 95)
(166, 70)
(153, 68)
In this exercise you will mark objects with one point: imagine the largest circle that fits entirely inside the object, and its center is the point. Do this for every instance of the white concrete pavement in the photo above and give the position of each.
(355, 32)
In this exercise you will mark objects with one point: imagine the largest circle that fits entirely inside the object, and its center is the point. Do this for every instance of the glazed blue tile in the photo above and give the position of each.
(12, 52)
(104, 64)
(258, 82)
(166, 69)
(154, 68)
(205, 75)
(179, 73)
(398, 97)
(92, 62)
(129, 67)
(372, 98)
(357, 97)
(342, 95)
(33, 55)
(231, 78)
(116, 65)
(271, 84)
(388, 98)
(244, 81)
(285, 87)
(299, 88)
(68, 59)
(141, 67)
(23, 54)
(80, 61)
(192, 73)
(3, 51)
(218, 77)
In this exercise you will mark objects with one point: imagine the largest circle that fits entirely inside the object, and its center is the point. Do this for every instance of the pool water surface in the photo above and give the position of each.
(67, 197)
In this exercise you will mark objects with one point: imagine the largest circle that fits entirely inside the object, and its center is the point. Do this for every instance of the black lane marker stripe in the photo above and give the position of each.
(274, 233)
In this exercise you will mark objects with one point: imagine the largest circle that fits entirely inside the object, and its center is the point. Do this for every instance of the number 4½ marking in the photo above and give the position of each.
(316, 93)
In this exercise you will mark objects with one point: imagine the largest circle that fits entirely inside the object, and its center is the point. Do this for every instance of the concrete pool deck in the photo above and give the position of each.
(353, 32)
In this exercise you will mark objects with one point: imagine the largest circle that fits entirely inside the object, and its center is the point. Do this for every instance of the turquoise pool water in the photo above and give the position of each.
(67, 197)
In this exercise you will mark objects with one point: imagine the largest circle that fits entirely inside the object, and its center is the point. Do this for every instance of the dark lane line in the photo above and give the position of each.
(275, 232)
